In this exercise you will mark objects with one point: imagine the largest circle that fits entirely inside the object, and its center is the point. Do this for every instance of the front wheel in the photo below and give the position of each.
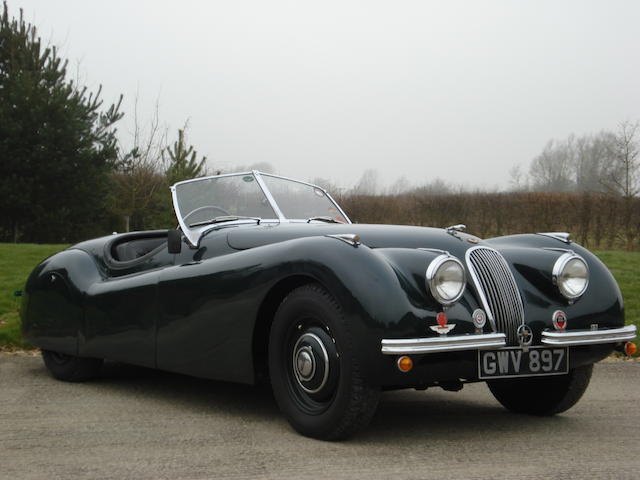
(542, 395)
(315, 376)
(69, 367)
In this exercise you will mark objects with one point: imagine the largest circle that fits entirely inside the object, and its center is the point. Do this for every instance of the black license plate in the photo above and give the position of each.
(516, 362)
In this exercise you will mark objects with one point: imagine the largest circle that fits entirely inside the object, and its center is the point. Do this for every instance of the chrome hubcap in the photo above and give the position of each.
(310, 363)
(305, 363)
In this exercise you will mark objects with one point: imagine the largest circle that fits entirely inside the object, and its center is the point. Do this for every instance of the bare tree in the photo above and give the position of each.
(517, 178)
(622, 174)
(592, 155)
(551, 171)
(368, 183)
(138, 175)
(400, 186)
(437, 186)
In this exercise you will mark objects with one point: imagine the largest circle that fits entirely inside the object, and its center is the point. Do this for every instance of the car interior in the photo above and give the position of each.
(136, 245)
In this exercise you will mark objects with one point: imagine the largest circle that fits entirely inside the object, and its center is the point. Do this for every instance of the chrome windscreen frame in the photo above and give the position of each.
(193, 236)
(263, 174)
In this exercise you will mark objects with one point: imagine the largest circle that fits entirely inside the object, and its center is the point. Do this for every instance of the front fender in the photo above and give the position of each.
(532, 258)
(209, 308)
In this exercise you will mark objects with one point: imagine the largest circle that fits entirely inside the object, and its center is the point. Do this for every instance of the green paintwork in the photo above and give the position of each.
(206, 311)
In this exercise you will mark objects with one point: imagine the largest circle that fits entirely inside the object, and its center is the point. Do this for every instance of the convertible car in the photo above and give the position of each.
(267, 279)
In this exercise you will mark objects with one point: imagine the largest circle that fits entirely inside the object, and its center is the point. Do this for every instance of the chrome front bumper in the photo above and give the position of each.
(589, 337)
(454, 343)
(490, 341)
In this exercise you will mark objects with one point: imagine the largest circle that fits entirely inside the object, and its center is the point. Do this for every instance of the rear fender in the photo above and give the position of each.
(52, 312)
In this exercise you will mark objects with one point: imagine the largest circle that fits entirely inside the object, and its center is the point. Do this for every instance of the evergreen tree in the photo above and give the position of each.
(57, 144)
(183, 162)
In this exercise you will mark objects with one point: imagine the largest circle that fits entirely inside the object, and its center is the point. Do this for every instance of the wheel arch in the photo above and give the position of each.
(264, 320)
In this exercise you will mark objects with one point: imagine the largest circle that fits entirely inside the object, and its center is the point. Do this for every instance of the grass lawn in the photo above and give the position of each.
(625, 267)
(17, 261)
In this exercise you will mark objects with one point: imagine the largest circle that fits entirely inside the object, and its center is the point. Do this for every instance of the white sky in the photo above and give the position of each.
(456, 90)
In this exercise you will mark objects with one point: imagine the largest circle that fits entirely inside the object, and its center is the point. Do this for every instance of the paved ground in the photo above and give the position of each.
(137, 423)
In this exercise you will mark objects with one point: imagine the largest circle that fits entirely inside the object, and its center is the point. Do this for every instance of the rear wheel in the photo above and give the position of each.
(542, 395)
(71, 368)
(315, 376)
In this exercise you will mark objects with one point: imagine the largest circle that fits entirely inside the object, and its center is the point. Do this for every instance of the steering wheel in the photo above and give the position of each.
(202, 209)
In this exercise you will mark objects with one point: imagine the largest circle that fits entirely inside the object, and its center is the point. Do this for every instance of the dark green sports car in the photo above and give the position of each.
(267, 279)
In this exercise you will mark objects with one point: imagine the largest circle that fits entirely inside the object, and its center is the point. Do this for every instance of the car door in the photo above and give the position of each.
(121, 312)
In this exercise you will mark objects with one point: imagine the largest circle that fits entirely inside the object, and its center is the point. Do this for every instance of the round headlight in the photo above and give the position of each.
(571, 275)
(446, 279)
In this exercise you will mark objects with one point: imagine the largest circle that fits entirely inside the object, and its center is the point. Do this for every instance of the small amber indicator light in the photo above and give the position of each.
(405, 364)
(630, 348)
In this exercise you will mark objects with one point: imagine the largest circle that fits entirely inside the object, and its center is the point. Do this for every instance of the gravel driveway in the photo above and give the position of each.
(139, 423)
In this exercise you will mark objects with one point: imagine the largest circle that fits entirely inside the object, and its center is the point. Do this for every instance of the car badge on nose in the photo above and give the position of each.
(525, 336)
(442, 328)
(479, 318)
(559, 319)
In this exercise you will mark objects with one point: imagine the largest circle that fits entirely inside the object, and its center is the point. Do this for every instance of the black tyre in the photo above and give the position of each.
(542, 395)
(315, 376)
(70, 368)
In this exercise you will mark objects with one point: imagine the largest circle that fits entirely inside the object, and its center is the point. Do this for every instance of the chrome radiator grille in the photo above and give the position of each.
(497, 290)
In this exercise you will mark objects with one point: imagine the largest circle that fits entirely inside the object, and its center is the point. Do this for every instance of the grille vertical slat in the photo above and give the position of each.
(497, 289)
(506, 286)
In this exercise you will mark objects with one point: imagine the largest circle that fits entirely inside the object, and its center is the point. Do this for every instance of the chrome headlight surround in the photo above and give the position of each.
(564, 275)
(436, 278)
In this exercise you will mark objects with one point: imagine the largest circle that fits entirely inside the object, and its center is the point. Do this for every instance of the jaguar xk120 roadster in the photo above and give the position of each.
(267, 278)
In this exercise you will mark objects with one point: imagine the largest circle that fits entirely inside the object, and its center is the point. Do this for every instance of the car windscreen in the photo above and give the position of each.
(299, 200)
(238, 195)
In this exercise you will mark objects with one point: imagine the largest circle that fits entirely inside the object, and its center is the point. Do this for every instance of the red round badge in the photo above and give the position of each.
(559, 320)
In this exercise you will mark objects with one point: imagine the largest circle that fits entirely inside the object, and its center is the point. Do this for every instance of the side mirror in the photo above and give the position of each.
(174, 241)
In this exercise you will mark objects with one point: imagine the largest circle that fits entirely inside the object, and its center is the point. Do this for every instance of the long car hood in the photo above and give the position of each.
(373, 236)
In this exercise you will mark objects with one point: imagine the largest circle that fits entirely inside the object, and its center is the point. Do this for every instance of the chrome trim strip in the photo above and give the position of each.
(407, 346)
(212, 176)
(589, 337)
(344, 215)
(192, 237)
(288, 178)
(350, 238)
(564, 237)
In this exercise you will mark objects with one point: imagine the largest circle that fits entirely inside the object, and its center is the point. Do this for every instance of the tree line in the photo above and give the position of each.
(604, 162)
(596, 220)
(65, 176)
(587, 185)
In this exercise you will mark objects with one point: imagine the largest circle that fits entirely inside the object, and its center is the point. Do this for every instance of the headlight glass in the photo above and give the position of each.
(571, 275)
(446, 279)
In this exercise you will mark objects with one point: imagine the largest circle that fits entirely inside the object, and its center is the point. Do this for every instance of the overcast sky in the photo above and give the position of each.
(457, 90)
